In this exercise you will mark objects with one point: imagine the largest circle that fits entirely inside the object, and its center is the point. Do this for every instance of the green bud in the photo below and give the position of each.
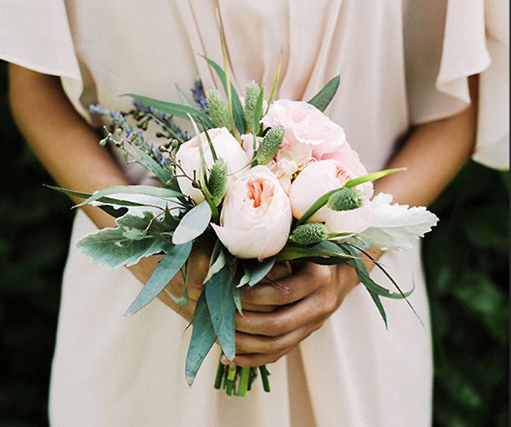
(105, 141)
(251, 96)
(270, 145)
(217, 183)
(310, 234)
(346, 199)
(220, 115)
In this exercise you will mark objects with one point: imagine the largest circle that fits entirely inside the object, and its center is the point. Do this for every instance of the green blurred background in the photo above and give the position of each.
(466, 262)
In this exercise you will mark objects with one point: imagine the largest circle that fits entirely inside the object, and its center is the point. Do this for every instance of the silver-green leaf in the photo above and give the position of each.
(193, 224)
(220, 299)
(134, 238)
(166, 270)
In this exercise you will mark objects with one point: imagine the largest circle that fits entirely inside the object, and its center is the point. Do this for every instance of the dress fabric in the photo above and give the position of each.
(402, 63)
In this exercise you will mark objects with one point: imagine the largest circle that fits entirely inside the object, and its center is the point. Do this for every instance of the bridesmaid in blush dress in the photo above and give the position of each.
(406, 69)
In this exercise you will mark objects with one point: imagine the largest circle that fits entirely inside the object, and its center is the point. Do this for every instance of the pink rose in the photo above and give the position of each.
(256, 216)
(307, 125)
(326, 175)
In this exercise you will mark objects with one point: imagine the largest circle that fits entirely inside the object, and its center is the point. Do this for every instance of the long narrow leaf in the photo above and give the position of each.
(171, 108)
(166, 270)
(105, 200)
(220, 299)
(371, 177)
(323, 99)
(145, 190)
(203, 339)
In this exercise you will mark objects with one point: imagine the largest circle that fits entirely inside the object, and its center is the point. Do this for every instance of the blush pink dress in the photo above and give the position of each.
(402, 62)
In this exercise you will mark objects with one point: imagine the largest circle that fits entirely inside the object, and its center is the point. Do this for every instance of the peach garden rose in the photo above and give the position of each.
(256, 216)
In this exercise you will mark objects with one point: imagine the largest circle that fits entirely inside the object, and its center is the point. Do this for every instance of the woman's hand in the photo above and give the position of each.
(304, 302)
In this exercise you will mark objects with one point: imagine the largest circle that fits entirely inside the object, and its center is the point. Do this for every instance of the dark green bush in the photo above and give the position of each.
(466, 260)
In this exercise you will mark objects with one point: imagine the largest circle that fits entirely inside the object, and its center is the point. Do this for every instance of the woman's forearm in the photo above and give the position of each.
(61, 139)
(433, 155)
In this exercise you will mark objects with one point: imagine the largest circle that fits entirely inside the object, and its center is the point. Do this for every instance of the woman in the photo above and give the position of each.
(409, 72)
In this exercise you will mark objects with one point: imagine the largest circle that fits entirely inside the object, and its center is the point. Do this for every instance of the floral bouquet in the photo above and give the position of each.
(262, 181)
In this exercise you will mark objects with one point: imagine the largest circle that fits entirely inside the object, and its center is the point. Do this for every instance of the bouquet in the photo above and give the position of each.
(261, 181)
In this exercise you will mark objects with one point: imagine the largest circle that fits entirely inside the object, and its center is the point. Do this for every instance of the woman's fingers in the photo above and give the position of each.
(289, 289)
(284, 319)
(252, 351)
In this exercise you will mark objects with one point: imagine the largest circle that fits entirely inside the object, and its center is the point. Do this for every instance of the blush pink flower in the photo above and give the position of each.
(256, 216)
(307, 125)
(323, 176)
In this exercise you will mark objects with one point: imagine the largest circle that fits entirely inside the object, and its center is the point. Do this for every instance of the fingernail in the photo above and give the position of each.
(225, 361)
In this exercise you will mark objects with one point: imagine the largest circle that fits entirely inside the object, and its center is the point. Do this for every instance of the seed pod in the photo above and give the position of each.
(217, 183)
(218, 111)
(310, 234)
(346, 199)
(270, 145)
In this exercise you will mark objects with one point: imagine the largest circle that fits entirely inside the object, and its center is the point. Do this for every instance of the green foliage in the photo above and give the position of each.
(346, 199)
(310, 234)
(34, 238)
(166, 270)
(270, 144)
(203, 338)
(222, 307)
(323, 99)
(220, 115)
(193, 224)
(133, 239)
(468, 271)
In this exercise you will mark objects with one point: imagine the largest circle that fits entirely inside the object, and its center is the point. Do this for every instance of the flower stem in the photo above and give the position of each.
(219, 374)
(244, 379)
(264, 376)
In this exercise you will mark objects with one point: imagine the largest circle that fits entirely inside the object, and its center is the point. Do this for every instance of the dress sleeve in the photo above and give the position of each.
(445, 43)
(35, 34)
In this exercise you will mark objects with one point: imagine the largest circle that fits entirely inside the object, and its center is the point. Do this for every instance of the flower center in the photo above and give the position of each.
(258, 193)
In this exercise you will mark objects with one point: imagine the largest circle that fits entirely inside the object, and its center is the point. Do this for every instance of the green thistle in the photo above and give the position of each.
(218, 111)
(270, 145)
(346, 199)
(310, 234)
(217, 183)
(251, 96)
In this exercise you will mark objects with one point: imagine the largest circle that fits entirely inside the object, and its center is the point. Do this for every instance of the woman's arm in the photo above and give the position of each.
(434, 153)
(69, 150)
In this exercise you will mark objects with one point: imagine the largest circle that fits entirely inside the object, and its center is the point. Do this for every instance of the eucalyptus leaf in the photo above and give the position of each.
(259, 270)
(237, 106)
(105, 200)
(193, 224)
(134, 238)
(178, 110)
(220, 299)
(143, 190)
(166, 270)
(237, 299)
(217, 266)
(203, 339)
(323, 99)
